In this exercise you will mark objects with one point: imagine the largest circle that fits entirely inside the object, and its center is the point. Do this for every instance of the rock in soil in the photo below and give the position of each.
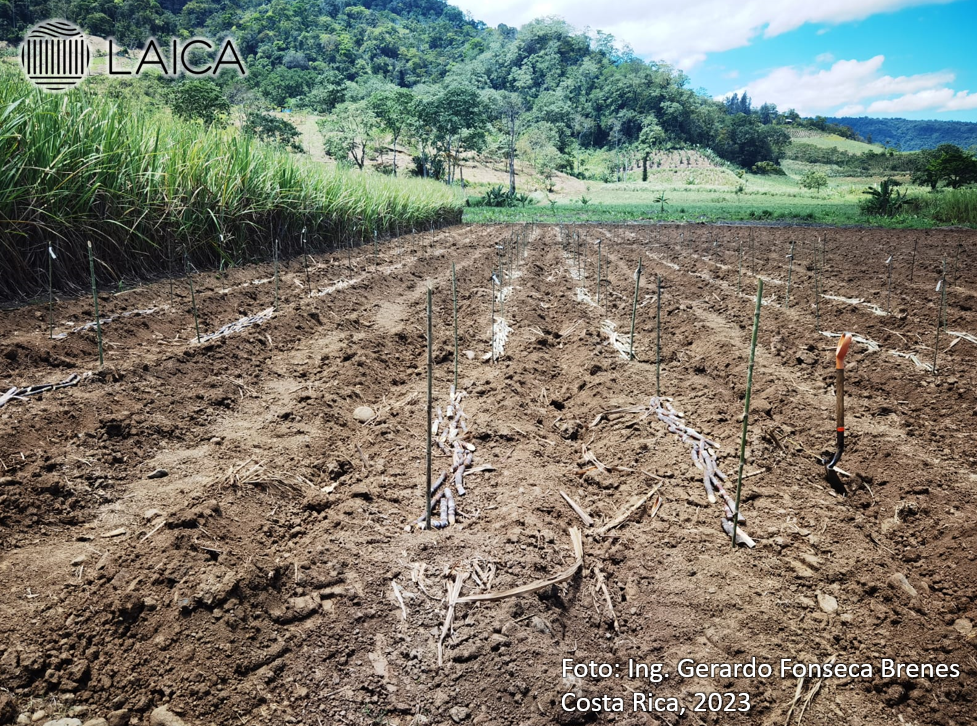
(363, 414)
(827, 603)
(162, 717)
(459, 714)
(158, 474)
(899, 582)
(8, 709)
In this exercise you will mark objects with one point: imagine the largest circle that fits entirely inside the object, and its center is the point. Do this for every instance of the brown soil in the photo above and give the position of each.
(268, 601)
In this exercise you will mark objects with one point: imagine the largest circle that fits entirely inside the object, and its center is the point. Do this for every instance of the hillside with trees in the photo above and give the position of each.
(910, 135)
(420, 71)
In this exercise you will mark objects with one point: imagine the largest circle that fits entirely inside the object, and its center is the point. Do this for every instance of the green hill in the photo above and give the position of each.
(910, 135)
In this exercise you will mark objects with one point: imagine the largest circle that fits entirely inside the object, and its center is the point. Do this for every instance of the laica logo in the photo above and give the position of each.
(55, 55)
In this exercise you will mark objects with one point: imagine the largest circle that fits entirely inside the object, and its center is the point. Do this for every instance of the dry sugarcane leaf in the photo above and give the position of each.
(450, 616)
(585, 518)
(628, 511)
(577, 540)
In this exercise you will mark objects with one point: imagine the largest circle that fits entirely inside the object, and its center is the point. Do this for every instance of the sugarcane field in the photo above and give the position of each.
(506, 473)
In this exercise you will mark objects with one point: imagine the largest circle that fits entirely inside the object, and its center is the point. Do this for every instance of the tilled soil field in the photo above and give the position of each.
(269, 571)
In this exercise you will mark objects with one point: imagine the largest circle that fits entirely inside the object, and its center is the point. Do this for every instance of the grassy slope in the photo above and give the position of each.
(706, 193)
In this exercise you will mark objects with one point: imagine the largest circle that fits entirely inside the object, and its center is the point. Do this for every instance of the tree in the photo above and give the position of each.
(393, 107)
(538, 145)
(272, 130)
(346, 134)
(200, 101)
(509, 109)
(954, 166)
(815, 180)
(650, 139)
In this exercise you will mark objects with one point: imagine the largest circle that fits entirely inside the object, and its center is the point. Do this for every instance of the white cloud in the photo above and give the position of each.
(853, 86)
(685, 33)
(731, 74)
(825, 58)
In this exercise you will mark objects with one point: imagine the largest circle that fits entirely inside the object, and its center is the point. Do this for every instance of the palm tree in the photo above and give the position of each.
(661, 200)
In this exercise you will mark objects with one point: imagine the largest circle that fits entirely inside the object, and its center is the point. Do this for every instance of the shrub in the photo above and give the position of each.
(885, 201)
(768, 167)
(200, 101)
(272, 129)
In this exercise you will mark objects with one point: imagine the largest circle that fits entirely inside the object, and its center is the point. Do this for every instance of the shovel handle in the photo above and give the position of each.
(844, 344)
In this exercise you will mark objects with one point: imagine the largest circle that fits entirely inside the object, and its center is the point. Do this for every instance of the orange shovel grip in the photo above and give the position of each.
(844, 343)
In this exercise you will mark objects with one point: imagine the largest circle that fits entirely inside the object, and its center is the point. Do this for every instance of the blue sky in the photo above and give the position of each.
(907, 58)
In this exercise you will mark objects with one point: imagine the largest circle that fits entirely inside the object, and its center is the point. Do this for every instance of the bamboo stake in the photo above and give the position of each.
(634, 309)
(193, 303)
(430, 398)
(912, 265)
(746, 407)
(817, 286)
(739, 279)
(599, 242)
(658, 341)
(454, 296)
(492, 325)
(376, 252)
(790, 271)
(888, 284)
(98, 322)
(305, 256)
(275, 306)
(940, 288)
(50, 289)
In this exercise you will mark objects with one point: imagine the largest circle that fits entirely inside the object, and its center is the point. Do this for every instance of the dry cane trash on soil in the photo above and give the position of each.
(239, 325)
(106, 321)
(703, 456)
(447, 432)
(22, 393)
(454, 590)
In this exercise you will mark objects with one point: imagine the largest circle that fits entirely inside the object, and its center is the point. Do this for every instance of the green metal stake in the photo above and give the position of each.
(276, 276)
(492, 329)
(193, 303)
(454, 295)
(599, 242)
(940, 288)
(739, 279)
(98, 321)
(790, 270)
(430, 389)
(888, 294)
(634, 309)
(305, 256)
(746, 406)
(658, 341)
(50, 288)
